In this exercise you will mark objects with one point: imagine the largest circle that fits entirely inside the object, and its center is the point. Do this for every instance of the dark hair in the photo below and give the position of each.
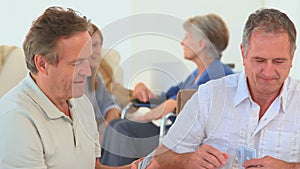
(55, 23)
(269, 21)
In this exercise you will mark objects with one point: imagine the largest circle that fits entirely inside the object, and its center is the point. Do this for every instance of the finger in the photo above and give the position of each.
(219, 156)
(226, 155)
(153, 165)
(214, 160)
(210, 157)
(253, 163)
(140, 95)
(255, 166)
(144, 96)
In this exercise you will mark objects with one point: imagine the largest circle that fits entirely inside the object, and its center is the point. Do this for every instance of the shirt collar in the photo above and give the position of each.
(41, 99)
(283, 96)
(243, 92)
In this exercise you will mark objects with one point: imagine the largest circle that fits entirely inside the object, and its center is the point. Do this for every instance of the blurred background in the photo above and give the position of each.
(147, 34)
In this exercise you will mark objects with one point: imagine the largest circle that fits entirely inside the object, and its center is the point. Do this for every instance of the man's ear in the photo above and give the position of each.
(242, 53)
(41, 63)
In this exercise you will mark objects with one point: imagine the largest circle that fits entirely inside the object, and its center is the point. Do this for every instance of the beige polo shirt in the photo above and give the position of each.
(35, 134)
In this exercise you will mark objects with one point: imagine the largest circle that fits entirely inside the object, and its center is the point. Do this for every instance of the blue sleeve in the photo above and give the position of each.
(188, 83)
(215, 70)
(104, 98)
(172, 92)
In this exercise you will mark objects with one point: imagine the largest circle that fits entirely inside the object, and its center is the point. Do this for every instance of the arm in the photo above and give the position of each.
(269, 162)
(105, 103)
(159, 111)
(205, 157)
(112, 114)
(142, 93)
(98, 165)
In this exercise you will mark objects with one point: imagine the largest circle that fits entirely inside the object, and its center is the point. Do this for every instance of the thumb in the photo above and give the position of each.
(226, 155)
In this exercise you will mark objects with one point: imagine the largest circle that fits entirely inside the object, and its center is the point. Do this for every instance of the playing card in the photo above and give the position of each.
(146, 161)
(140, 164)
(244, 153)
(248, 153)
(238, 151)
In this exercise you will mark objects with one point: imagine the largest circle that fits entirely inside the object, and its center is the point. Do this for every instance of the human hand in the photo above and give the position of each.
(267, 162)
(142, 93)
(153, 164)
(134, 165)
(138, 115)
(112, 114)
(154, 114)
(143, 118)
(206, 157)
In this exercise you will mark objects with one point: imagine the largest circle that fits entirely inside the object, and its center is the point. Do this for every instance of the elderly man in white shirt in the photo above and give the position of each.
(258, 108)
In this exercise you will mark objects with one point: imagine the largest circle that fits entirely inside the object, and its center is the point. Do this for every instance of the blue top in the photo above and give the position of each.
(101, 99)
(215, 70)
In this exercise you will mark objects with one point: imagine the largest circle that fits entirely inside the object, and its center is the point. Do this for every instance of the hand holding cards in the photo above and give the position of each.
(146, 161)
(244, 153)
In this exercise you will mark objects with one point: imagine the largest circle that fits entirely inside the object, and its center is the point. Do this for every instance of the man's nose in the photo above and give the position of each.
(268, 69)
(86, 69)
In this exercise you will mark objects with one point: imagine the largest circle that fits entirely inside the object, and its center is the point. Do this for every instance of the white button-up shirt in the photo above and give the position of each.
(223, 114)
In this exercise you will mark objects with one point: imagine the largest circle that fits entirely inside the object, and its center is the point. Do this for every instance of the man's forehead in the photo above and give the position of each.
(78, 44)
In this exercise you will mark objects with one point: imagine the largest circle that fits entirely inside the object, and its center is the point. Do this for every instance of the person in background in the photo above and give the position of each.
(206, 38)
(257, 108)
(95, 90)
(46, 121)
(121, 94)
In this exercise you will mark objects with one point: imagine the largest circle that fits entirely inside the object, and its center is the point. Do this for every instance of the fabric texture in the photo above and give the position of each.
(131, 131)
(228, 117)
(35, 134)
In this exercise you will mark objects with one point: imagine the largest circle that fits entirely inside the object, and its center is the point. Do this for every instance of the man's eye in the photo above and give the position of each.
(278, 61)
(259, 60)
(77, 63)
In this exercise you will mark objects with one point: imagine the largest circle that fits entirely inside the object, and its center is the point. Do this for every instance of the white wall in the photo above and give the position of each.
(147, 32)
(17, 15)
(170, 15)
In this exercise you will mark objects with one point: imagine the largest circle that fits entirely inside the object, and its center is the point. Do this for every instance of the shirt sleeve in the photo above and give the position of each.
(172, 92)
(187, 133)
(20, 143)
(188, 83)
(104, 99)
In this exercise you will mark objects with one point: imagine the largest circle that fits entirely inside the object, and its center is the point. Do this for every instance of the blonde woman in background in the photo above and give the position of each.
(102, 101)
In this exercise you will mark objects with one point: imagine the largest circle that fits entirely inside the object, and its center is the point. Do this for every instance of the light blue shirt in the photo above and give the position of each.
(101, 99)
(223, 113)
(35, 134)
(215, 70)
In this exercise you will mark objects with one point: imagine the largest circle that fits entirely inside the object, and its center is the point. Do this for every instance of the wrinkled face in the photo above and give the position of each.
(67, 79)
(267, 62)
(97, 46)
(190, 46)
